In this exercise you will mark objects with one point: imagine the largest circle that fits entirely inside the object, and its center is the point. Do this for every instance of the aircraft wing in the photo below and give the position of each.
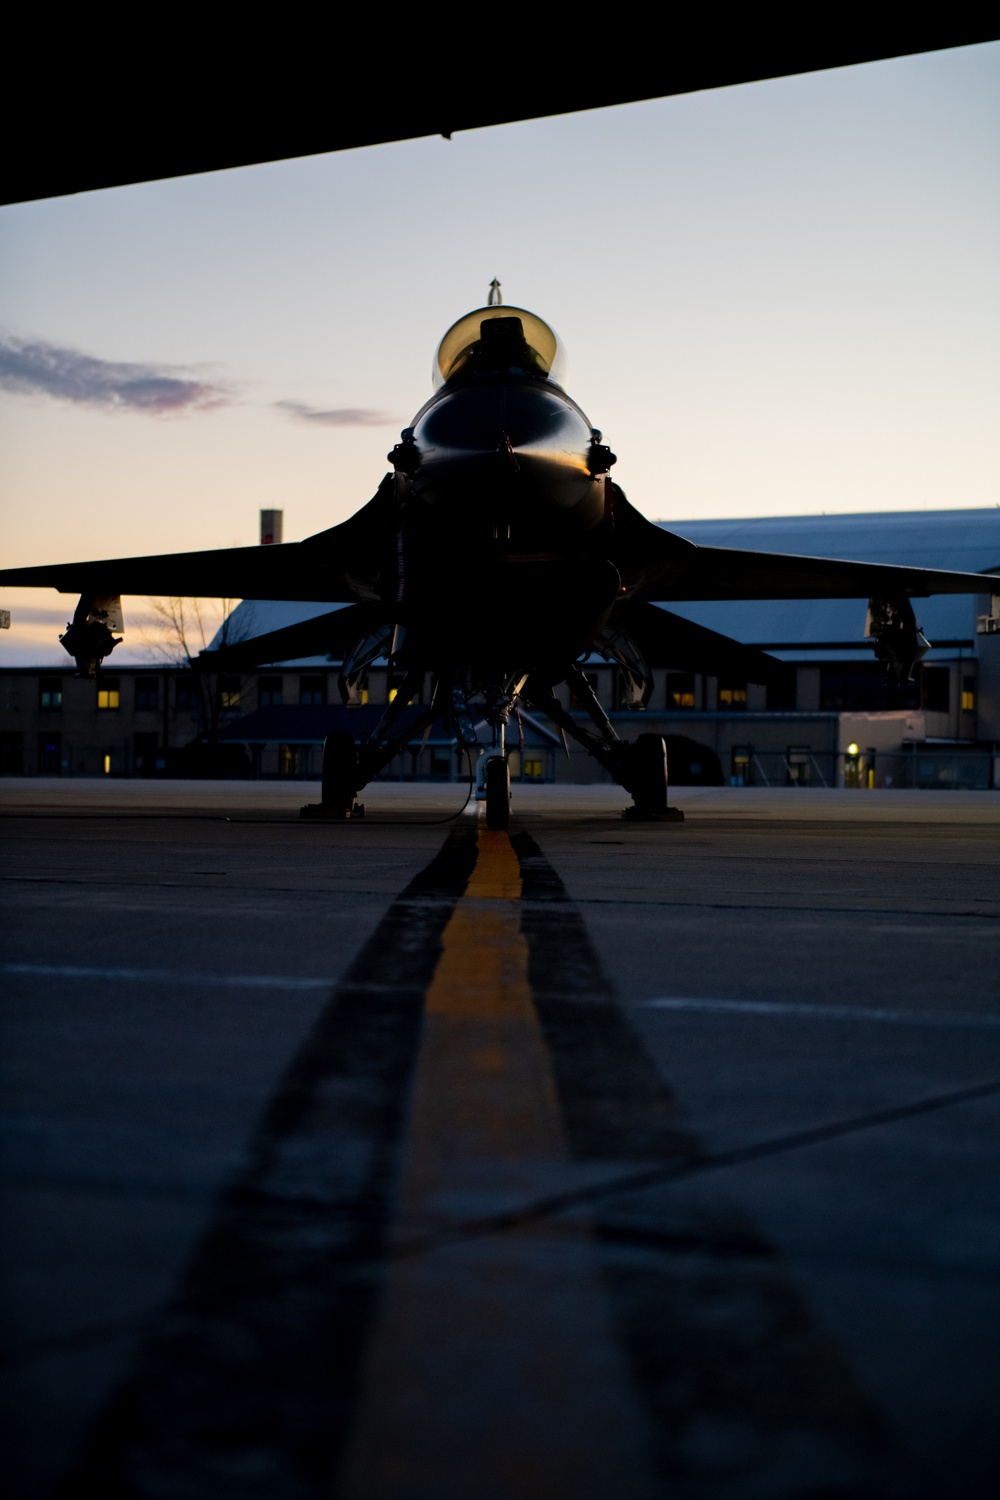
(340, 564)
(659, 564)
(668, 640)
(730, 573)
(331, 634)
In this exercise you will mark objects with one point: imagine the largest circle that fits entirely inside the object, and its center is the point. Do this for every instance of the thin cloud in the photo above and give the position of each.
(338, 416)
(31, 367)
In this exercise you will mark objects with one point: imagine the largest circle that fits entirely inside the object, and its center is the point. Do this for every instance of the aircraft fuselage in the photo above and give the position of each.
(504, 506)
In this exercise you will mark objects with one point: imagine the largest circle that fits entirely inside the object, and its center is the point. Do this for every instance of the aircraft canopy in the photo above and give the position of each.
(533, 348)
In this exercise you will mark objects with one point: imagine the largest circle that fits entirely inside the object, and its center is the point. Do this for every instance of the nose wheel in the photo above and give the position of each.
(497, 792)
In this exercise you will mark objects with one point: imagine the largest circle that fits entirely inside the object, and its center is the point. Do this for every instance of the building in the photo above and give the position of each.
(834, 719)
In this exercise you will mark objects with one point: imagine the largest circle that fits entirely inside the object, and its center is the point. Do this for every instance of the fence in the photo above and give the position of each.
(911, 767)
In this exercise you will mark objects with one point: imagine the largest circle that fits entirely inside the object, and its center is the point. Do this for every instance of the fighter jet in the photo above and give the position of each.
(495, 556)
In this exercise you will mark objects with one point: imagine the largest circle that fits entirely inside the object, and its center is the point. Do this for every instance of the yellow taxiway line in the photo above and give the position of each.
(493, 1371)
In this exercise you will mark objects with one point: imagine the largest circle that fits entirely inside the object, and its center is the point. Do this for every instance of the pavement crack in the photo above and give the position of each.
(554, 1204)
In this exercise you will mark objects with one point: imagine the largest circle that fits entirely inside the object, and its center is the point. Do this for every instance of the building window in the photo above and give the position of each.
(147, 692)
(625, 691)
(50, 692)
(936, 685)
(186, 694)
(742, 766)
(108, 692)
(288, 760)
(229, 694)
(312, 690)
(968, 695)
(146, 754)
(269, 690)
(394, 681)
(680, 690)
(864, 686)
(11, 752)
(440, 761)
(575, 701)
(49, 753)
(798, 765)
(781, 690)
(732, 694)
(534, 767)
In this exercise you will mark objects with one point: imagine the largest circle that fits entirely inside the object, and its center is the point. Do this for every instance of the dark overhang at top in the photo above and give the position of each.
(104, 100)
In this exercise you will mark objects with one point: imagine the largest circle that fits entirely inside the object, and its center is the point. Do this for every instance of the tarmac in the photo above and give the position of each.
(401, 1158)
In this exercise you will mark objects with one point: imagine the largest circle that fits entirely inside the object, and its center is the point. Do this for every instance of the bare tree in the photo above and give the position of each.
(182, 628)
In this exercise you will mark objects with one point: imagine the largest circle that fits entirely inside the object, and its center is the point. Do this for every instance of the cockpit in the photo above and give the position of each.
(499, 341)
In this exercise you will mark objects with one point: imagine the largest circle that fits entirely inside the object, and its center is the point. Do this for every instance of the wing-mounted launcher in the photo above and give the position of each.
(368, 648)
(636, 679)
(895, 636)
(89, 637)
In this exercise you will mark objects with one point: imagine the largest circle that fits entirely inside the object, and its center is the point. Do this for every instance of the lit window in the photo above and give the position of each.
(269, 691)
(732, 694)
(229, 694)
(312, 690)
(968, 695)
(108, 692)
(394, 682)
(533, 767)
(147, 692)
(680, 690)
(288, 760)
(50, 692)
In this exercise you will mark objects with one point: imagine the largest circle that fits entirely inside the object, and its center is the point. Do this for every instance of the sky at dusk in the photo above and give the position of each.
(778, 298)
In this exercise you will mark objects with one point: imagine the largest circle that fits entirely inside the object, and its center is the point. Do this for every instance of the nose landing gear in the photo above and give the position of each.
(497, 780)
(493, 774)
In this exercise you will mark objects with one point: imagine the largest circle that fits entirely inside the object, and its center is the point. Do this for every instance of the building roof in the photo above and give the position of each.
(966, 540)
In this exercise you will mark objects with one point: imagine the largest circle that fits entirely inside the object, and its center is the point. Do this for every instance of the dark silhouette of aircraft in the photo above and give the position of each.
(518, 66)
(497, 555)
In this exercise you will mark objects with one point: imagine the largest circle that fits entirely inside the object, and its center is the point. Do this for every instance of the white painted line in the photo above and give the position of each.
(168, 976)
(826, 1012)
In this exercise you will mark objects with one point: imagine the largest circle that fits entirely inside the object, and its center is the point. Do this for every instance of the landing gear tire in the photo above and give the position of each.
(648, 777)
(340, 775)
(497, 793)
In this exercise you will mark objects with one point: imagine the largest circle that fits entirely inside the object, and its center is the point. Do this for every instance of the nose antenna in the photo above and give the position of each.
(495, 298)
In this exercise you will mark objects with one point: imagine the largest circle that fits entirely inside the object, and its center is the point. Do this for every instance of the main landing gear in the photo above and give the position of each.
(647, 773)
(341, 776)
(640, 767)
